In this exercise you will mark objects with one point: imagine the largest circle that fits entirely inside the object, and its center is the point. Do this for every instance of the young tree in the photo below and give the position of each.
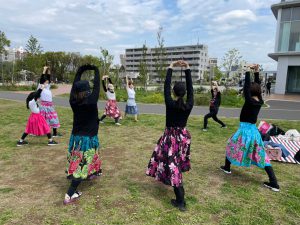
(106, 61)
(231, 58)
(4, 42)
(143, 68)
(218, 74)
(33, 46)
(160, 56)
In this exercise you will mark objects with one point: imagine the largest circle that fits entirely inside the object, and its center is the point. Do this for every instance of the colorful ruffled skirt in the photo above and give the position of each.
(83, 159)
(112, 110)
(37, 125)
(171, 156)
(47, 110)
(246, 147)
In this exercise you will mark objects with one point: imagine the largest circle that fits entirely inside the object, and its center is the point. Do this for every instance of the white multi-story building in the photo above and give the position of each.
(195, 55)
(287, 46)
(13, 54)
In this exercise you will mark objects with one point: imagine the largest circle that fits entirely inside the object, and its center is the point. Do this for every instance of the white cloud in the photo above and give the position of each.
(85, 25)
(240, 15)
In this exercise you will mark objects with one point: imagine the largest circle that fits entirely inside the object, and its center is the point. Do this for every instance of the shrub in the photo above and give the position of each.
(230, 92)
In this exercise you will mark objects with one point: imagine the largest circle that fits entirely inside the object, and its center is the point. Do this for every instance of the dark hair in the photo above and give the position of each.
(44, 78)
(81, 96)
(130, 82)
(30, 97)
(255, 90)
(180, 91)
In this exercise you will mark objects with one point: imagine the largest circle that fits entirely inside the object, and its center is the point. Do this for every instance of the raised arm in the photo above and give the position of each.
(126, 77)
(96, 89)
(104, 83)
(247, 84)
(256, 77)
(38, 93)
(109, 80)
(167, 87)
(189, 88)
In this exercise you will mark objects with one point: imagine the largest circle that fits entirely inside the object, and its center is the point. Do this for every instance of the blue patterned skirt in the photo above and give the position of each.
(246, 147)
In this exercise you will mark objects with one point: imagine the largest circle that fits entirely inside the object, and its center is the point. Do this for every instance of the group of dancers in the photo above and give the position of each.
(171, 156)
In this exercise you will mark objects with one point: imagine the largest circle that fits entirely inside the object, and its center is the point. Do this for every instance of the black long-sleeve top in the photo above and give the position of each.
(251, 106)
(215, 101)
(104, 85)
(85, 114)
(176, 117)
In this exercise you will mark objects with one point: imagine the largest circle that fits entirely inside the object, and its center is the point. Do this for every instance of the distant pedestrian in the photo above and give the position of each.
(269, 84)
(214, 105)
(246, 146)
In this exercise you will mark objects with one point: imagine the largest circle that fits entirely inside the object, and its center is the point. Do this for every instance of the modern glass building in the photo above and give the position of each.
(287, 46)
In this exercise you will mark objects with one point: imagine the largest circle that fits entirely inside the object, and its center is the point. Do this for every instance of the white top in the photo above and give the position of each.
(46, 94)
(131, 97)
(33, 106)
(111, 96)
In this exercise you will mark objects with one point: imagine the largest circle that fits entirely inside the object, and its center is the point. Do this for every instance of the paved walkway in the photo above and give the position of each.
(293, 98)
(61, 89)
(277, 110)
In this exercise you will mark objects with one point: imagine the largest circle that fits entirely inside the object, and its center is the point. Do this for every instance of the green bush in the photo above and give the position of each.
(201, 99)
(230, 92)
(12, 87)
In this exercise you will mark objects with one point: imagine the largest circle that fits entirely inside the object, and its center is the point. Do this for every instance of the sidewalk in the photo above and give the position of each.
(292, 98)
(62, 89)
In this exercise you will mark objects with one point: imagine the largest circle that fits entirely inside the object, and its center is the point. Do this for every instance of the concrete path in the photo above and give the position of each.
(278, 109)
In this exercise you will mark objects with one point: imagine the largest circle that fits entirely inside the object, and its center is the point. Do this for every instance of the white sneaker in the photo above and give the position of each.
(204, 130)
(118, 124)
(73, 199)
(101, 121)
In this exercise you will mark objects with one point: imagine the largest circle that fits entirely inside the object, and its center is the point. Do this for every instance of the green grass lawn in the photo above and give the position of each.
(33, 182)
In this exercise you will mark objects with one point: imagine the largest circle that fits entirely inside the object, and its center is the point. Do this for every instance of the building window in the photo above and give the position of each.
(294, 43)
(286, 14)
(293, 79)
(296, 14)
(284, 36)
(289, 33)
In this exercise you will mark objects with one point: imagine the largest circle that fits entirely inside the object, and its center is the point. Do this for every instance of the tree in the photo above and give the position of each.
(4, 42)
(231, 58)
(33, 46)
(106, 60)
(217, 72)
(160, 56)
(143, 68)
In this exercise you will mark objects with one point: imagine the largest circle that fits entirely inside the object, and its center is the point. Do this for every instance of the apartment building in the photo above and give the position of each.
(195, 55)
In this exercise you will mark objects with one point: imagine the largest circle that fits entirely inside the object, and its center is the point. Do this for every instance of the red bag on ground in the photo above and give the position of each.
(264, 127)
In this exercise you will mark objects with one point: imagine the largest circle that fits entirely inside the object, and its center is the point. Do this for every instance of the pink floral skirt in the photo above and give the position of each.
(171, 157)
(112, 110)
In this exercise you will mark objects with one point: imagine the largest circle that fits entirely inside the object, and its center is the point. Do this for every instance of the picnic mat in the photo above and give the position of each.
(292, 146)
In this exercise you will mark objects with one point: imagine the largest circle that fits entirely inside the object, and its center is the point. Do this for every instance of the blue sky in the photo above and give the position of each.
(85, 25)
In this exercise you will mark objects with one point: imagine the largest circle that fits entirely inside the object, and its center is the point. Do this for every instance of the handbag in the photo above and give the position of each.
(264, 127)
(274, 153)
